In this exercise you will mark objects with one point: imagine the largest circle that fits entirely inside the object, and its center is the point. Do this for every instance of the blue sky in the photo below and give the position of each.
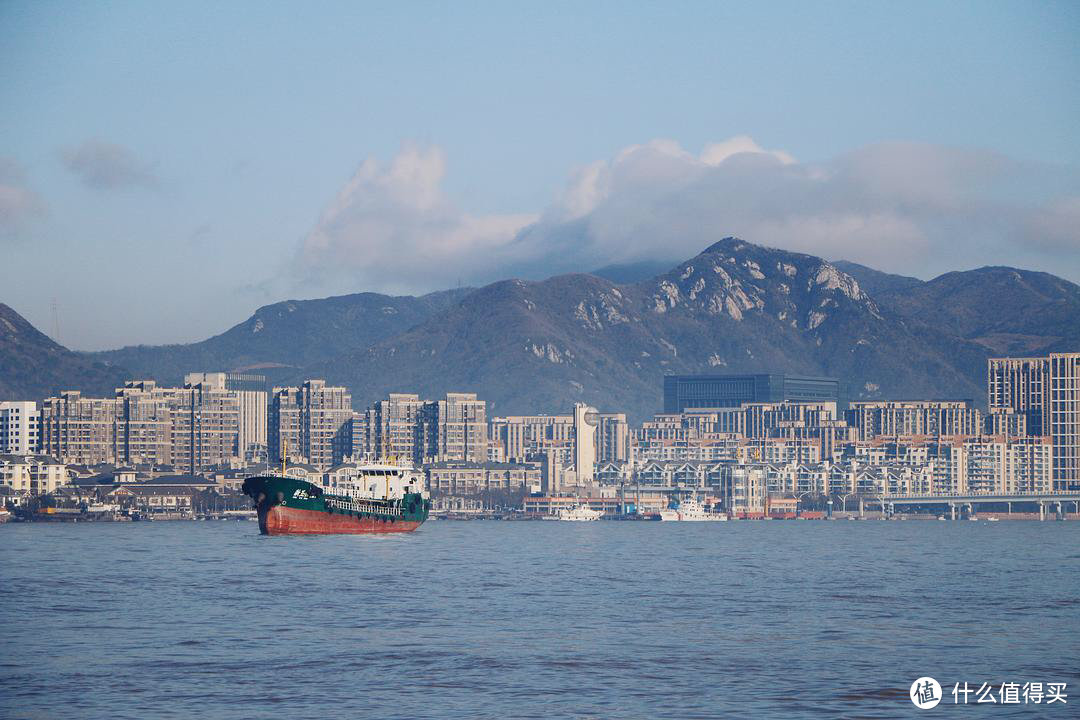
(167, 168)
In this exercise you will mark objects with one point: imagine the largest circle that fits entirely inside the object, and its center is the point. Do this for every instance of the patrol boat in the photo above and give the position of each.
(690, 510)
(579, 513)
(376, 499)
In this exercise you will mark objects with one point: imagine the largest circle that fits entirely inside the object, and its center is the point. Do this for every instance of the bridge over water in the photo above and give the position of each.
(1057, 502)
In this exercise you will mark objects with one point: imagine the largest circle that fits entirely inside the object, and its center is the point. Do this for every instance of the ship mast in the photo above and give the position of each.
(386, 479)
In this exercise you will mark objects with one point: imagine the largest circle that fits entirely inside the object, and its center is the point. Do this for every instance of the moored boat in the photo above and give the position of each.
(578, 513)
(690, 510)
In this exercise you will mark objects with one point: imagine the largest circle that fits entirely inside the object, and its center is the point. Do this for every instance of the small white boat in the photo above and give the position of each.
(578, 513)
(691, 510)
(992, 519)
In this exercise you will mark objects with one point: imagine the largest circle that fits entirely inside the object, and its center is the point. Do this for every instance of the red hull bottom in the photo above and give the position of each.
(280, 520)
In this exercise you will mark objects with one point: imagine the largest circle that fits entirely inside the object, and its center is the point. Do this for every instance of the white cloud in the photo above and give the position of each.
(716, 153)
(394, 229)
(103, 165)
(902, 207)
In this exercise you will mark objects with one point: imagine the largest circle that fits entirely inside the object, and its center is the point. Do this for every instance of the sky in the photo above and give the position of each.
(167, 168)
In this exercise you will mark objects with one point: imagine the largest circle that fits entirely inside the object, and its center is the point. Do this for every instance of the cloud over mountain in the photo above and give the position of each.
(914, 208)
(909, 207)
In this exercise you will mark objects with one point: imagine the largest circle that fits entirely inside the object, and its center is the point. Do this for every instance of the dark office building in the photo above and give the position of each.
(720, 391)
(245, 381)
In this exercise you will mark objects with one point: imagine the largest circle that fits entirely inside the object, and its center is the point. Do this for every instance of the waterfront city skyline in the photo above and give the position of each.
(798, 431)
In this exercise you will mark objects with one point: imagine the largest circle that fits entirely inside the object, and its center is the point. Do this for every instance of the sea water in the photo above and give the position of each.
(488, 619)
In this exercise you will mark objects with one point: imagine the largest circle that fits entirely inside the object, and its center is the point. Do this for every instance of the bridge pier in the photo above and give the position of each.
(1009, 510)
(952, 511)
(1042, 511)
(970, 510)
(862, 509)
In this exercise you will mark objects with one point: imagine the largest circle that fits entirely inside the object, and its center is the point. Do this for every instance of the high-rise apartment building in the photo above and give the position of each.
(395, 428)
(307, 422)
(1065, 419)
(251, 396)
(190, 428)
(520, 436)
(20, 424)
(145, 416)
(612, 438)
(79, 430)
(404, 427)
(206, 426)
(933, 418)
(1046, 392)
(458, 428)
(1021, 386)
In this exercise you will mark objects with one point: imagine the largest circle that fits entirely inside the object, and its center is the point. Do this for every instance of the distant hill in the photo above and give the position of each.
(540, 346)
(1004, 310)
(279, 340)
(32, 366)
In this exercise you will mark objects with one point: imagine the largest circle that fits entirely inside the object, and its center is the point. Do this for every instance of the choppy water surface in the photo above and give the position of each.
(540, 619)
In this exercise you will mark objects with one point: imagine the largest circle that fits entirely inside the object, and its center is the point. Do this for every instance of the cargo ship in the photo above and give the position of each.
(377, 499)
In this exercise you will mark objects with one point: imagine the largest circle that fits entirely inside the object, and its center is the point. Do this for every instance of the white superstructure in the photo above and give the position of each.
(373, 481)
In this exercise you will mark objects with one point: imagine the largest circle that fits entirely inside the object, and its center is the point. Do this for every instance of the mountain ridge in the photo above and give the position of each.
(539, 346)
(33, 365)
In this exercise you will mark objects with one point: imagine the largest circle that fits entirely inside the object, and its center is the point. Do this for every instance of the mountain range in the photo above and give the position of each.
(607, 338)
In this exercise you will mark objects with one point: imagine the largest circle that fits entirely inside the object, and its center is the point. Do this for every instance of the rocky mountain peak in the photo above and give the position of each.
(735, 279)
